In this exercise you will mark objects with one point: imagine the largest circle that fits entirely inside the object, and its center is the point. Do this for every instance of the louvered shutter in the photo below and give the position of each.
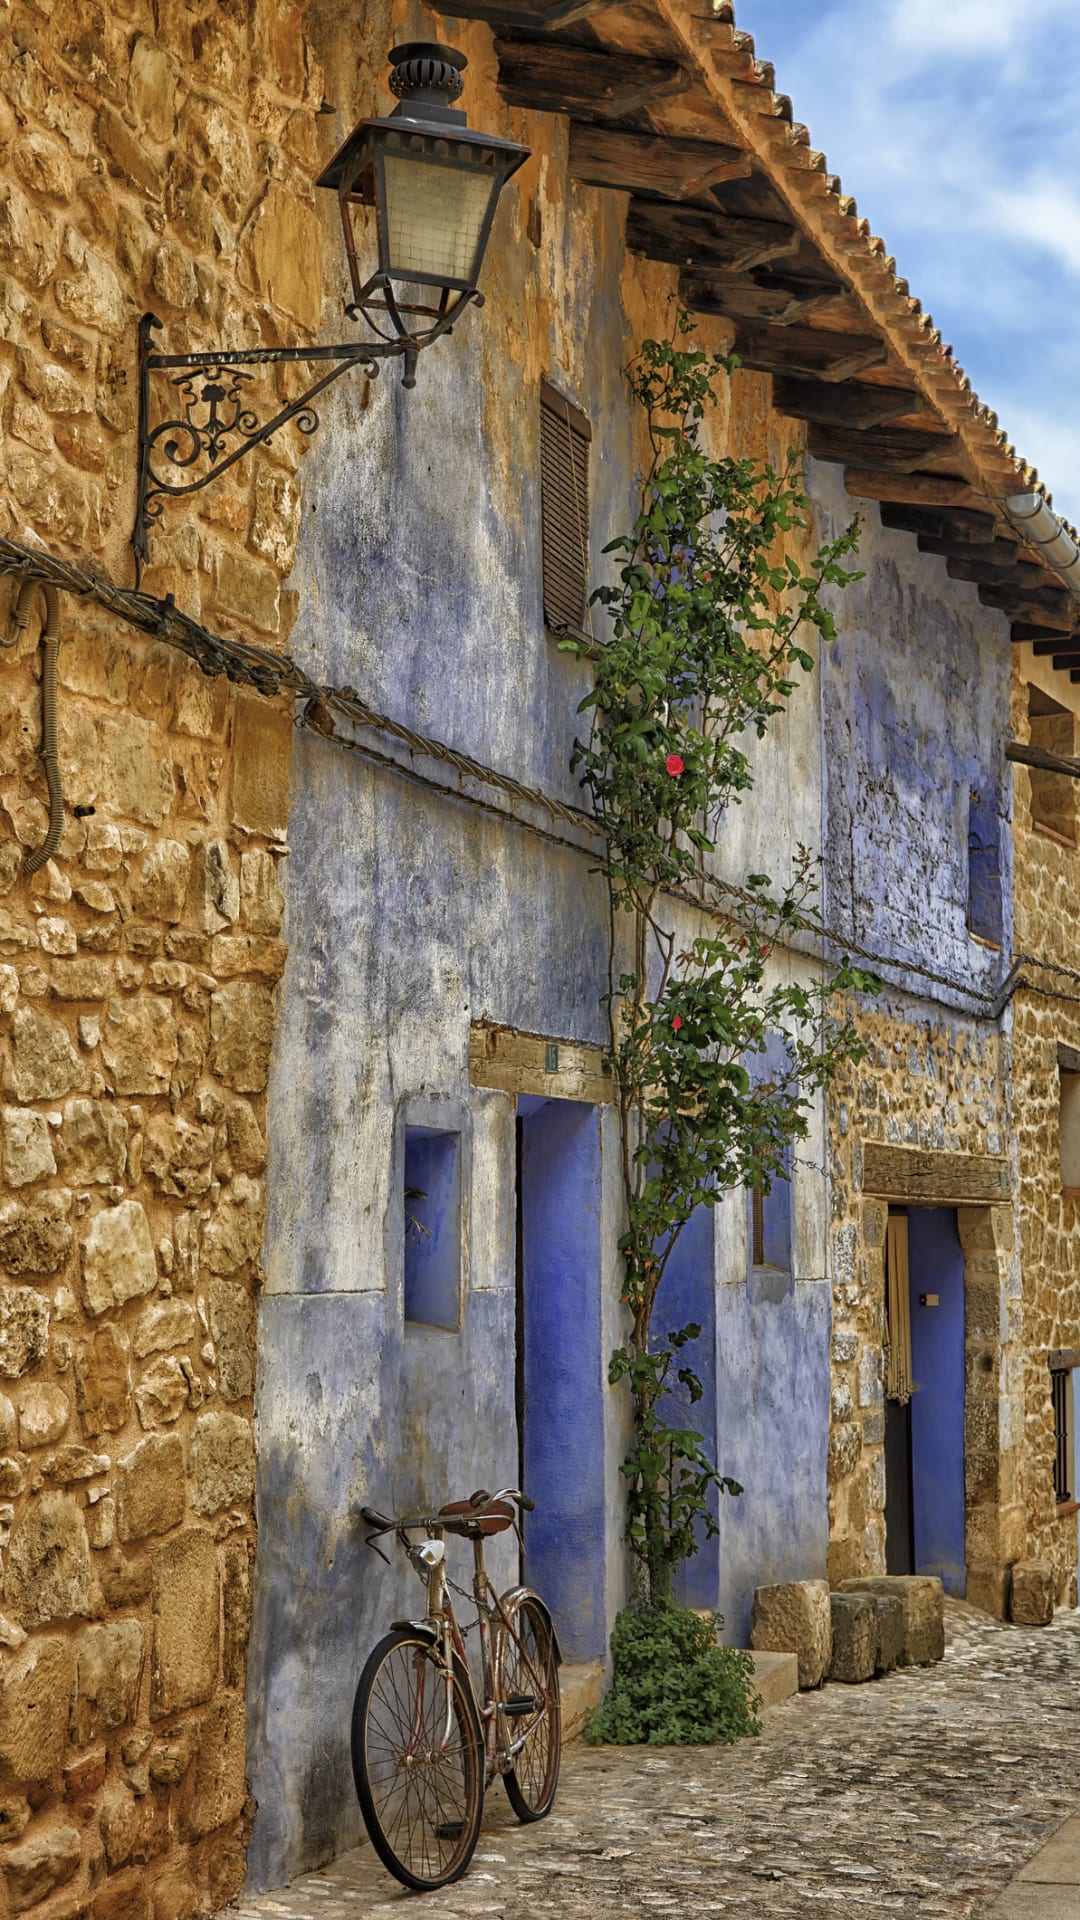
(565, 435)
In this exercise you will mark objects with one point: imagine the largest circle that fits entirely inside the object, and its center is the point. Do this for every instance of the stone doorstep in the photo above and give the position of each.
(581, 1686)
(1057, 1863)
(776, 1677)
(1054, 1903)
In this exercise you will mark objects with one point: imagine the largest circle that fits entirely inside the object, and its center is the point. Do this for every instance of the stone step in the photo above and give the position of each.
(776, 1676)
(581, 1686)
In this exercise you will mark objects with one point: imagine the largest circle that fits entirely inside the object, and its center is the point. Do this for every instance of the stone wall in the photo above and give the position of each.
(934, 1081)
(1045, 1015)
(149, 157)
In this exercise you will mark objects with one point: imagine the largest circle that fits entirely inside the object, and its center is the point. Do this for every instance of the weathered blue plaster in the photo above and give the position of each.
(411, 916)
(772, 1428)
(565, 1367)
(936, 1266)
(351, 1408)
(916, 714)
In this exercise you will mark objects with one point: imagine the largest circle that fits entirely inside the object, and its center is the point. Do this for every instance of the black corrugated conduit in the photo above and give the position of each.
(50, 757)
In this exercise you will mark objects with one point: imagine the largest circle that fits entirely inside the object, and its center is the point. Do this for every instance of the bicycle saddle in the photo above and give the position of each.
(460, 1516)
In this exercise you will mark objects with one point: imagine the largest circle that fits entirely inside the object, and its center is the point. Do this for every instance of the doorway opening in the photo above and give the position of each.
(560, 1367)
(924, 1406)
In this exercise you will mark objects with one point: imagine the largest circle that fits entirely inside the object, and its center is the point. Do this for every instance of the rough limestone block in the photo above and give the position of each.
(150, 1486)
(38, 1684)
(794, 1617)
(45, 1861)
(186, 1646)
(48, 1562)
(1032, 1594)
(889, 1612)
(923, 1602)
(854, 1637)
(110, 1664)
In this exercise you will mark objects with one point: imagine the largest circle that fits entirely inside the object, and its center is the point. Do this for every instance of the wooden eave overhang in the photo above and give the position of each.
(668, 104)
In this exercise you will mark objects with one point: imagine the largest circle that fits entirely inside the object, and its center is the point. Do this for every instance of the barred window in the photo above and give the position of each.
(1061, 1388)
(565, 436)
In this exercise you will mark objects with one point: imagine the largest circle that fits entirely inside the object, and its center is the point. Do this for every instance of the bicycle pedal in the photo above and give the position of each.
(450, 1830)
(518, 1704)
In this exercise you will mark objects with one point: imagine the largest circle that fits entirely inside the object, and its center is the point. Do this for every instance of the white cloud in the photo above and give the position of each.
(1040, 212)
(956, 125)
(974, 29)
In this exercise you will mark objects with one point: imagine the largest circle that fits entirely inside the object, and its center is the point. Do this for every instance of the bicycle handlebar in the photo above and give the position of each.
(478, 1501)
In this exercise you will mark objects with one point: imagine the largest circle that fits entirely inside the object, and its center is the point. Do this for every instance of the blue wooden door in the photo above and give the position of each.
(936, 1269)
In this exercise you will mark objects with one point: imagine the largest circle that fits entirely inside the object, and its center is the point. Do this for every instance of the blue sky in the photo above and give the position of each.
(956, 126)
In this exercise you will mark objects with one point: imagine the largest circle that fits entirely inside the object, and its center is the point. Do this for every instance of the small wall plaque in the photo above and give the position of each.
(551, 1057)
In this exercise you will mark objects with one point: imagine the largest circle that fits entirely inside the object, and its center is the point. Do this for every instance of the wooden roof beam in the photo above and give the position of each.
(1043, 646)
(896, 449)
(999, 556)
(691, 237)
(645, 163)
(782, 297)
(957, 525)
(845, 404)
(551, 76)
(807, 350)
(910, 489)
(523, 16)
(1049, 608)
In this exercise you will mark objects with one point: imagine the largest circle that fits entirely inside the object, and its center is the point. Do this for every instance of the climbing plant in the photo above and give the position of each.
(707, 618)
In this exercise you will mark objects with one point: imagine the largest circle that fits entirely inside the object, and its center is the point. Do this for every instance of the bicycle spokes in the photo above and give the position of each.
(420, 1763)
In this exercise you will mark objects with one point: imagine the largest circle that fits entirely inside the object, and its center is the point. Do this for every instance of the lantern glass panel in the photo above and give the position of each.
(435, 215)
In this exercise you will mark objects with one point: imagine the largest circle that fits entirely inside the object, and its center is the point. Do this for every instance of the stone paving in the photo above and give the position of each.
(922, 1793)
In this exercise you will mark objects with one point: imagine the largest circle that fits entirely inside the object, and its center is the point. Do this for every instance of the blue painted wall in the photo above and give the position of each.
(772, 1345)
(565, 1367)
(936, 1265)
(915, 713)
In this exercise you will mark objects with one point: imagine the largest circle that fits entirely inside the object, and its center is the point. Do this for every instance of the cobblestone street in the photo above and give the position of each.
(923, 1793)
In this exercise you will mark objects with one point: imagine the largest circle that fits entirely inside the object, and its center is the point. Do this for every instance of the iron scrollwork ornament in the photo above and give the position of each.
(215, 425)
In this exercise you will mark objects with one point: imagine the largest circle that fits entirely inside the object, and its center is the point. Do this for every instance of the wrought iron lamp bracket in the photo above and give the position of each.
(216, 426)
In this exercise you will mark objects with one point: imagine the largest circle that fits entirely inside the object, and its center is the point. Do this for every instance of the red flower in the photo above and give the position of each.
(677, 1022)
(674, 765)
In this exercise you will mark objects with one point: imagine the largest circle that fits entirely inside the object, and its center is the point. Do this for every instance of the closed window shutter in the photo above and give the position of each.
(565, 435)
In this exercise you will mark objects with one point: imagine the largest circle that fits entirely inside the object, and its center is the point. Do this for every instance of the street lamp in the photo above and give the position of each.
(434, 185)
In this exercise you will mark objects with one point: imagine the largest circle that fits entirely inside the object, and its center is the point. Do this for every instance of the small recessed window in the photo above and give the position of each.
(1054, 796)
(771, 1209)
(432, 1209)
(565, 436)
(1069, 1116)
(985, 901)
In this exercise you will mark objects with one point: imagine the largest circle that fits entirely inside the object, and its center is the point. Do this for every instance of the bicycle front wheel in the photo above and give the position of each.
(529, 1696)
(417, 1762)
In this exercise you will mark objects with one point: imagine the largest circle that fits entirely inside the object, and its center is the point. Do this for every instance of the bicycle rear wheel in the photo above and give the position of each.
(417, 1762)
(529, 1694)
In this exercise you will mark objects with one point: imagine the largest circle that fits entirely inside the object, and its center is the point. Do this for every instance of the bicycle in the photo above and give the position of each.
(424, 1750)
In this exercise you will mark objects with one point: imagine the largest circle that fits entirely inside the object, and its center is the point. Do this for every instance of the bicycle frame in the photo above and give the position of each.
(494, 1622)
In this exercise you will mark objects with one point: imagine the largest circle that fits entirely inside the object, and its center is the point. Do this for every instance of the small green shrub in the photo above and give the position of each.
(674, 1684)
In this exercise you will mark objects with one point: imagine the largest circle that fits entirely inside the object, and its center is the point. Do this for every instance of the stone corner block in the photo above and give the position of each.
(854, 1637)
(889, 1613)
(794, 1616)
(1031, 1593)
(923, 1601)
